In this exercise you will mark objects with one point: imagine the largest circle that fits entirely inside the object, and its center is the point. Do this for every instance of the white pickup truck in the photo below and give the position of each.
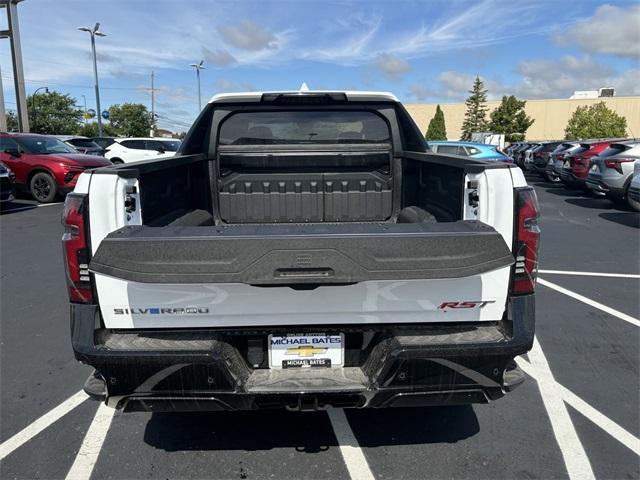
(304, 250)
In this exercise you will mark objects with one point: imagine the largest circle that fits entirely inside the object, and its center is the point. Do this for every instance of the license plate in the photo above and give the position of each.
(309, 350)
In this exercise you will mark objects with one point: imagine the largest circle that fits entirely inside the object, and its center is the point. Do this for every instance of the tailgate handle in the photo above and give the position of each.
(304, 272)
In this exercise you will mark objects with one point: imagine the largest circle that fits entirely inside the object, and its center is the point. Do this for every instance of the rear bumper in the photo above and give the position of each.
(569, 178)
(595, 183)
(385, 365)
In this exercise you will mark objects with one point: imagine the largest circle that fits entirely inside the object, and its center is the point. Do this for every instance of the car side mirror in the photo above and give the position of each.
(161, 150)
(14, 152)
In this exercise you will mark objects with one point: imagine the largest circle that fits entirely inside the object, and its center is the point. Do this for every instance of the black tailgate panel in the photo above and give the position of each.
(285, 254)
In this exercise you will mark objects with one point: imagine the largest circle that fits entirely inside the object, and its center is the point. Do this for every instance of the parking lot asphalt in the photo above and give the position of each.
(592, 357)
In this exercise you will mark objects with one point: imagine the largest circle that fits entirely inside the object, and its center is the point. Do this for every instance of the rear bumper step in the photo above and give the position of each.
(385, 365)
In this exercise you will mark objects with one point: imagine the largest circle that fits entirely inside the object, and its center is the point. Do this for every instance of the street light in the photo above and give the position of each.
(198, 67)
(33, 102)
(95, 32)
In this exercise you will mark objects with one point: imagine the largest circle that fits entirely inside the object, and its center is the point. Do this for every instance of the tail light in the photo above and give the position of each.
(526, 241)
(616, 163)
(76, 248)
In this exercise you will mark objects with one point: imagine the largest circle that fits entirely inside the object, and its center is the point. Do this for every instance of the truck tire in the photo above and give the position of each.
(43, 187)
(116, 161)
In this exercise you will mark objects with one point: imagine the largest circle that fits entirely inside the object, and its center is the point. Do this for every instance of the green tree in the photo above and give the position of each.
(510, 119)
(91, 130)
(12, 121)
(437, 129)
(475, 118)
(130, 119)
(53, 113)
(595, 121)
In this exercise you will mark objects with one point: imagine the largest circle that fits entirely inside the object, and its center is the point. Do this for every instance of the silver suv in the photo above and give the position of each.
(611, 171)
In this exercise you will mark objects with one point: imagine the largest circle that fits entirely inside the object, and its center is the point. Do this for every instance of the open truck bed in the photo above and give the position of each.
(252, 273)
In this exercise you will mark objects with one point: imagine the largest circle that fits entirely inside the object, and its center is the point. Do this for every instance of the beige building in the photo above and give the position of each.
(551, 116)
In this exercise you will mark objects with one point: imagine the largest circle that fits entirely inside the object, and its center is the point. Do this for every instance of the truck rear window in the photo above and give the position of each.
(304, 127)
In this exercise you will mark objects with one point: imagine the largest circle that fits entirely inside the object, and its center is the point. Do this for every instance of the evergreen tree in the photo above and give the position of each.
(595, 121)
(476, 114)
(437, 129)
(510, 119)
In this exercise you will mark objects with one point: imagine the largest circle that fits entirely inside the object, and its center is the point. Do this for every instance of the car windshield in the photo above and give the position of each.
(304, 127)
(614, 149)
(44, 145)
(84, 143)
(171, 145)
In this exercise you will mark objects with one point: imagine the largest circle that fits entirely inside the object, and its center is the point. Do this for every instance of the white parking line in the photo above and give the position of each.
(575, 458)
(351, 452)
(590, 274)
(605, 423)
(592, 303)
(26, 434)
(31, 207)
(92, 444)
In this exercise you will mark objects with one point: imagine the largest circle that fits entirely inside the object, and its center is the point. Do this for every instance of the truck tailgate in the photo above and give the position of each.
(244, 275)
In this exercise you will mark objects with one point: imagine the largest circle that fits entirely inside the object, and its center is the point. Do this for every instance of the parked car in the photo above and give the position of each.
(103, 142)
(612, 170)
(633, 194)
(556, 160)
(125, 150)
(576, 166)
(541, 156)
(527, 159)
(7, 184)
(84, 145)
(319, 277)
(512, 148)
(44, 165)
(479, 151)
(518, 153)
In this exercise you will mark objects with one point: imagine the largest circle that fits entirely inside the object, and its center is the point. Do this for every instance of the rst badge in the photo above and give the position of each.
(466, 304)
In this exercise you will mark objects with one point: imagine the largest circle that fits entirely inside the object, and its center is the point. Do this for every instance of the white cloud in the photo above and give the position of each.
(485, 23)
(391, 66)
(611, 30)
(352, 50)
(248, 35)
(219, 57)
(538, 79)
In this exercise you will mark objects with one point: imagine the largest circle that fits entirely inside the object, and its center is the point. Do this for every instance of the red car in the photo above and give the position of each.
(576, 168)
(44, 165)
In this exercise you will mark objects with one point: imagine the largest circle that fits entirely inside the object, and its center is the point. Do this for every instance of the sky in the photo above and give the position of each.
(423, 51)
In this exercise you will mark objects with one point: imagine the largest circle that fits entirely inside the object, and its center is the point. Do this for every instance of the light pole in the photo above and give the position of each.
(95, 32)
(33, 103)
(198, 67)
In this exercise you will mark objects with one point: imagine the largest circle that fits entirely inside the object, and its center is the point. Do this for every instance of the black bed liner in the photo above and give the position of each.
(291, 254)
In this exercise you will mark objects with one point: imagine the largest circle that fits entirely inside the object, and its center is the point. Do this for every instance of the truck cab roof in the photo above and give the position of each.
(351, 96)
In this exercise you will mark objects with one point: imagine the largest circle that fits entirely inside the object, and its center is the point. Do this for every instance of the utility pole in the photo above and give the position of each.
(84, 115)
(13, 34)
(95, 31)
(3, 114)
(153, 106)
(198, 67)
